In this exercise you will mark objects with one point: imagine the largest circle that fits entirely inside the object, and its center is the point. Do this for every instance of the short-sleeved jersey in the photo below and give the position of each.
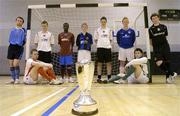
(158, 34)
(84, 41)
(103, 37)
(17, 36)
(44, 41)
(66, 42)
(126, 38)
(28, 67)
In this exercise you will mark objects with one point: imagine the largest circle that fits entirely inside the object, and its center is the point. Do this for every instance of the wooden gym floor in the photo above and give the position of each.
(156, 99)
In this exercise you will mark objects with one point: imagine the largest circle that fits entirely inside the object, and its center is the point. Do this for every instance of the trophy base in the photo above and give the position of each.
(82, 113)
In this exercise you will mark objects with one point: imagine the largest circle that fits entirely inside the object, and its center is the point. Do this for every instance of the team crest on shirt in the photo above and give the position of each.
(129, 32)
(158, 29)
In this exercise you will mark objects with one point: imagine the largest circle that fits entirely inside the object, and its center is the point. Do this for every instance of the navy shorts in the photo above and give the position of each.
(15, 52)
(44, 56)
(103, 55)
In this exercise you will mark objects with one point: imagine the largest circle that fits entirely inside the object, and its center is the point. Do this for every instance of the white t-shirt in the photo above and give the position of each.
(44, 41)
(28, 67)
(103, 37)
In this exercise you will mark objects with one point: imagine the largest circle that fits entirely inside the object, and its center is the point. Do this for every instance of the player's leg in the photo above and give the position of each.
(130, 54)
(100, 60)
(48, 74)
(32, 77)
(122, 60)
(129, 71)
(10, 57)
(63, 67)
(69, 63)
(170, 74)
(17, 58)
(108, 60)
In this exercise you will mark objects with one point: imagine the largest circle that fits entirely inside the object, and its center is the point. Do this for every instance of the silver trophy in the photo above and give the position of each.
(85, 104)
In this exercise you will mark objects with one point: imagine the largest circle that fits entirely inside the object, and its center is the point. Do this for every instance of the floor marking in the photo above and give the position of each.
(50, 110)
(37, 103)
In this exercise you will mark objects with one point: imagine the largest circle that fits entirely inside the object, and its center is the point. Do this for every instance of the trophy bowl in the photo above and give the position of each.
(85, 104)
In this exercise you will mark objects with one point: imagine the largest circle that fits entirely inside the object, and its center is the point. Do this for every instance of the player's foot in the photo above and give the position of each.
(171, 78)
(61, 80)
(10, 82)
(17, 81)
(120, 81)
(105, 81)
(55, 82)
(71, 80)
(99, 81)
(121, 74)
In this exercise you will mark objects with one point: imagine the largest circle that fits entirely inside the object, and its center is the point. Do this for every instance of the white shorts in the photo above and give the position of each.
(126, 53)
(28, 80)
(142, 79)
(84, 55)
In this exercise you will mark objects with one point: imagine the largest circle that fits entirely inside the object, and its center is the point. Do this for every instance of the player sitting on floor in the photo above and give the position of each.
(136, 70)
(34, 68)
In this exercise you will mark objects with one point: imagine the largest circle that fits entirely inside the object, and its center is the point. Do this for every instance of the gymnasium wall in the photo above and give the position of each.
(9, 9)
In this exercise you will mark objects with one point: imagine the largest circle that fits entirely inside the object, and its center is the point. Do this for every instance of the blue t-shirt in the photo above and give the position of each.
(84, 42)
(17, 36)
(126, 38)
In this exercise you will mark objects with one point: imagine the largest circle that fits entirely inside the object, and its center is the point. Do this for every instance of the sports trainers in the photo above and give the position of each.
(71, 80)
(171, 78)
(17, 81)
(61, 80)
(55, 82)
(120, 81)
(99, 81)
(10, 82)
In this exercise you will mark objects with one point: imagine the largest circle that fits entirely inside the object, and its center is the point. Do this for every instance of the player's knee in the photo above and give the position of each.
(159, 63)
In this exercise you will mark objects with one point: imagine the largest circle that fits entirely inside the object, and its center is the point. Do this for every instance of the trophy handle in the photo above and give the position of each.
(85, 74)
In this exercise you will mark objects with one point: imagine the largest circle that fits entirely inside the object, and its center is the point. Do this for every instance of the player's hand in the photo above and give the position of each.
(50, 66)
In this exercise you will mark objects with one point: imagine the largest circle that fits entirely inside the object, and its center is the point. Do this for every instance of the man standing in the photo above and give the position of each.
(66, 42)
(161, 49)
(125, 39)
(17, 39)
(44, 40)
(84, 42)
(103, 39)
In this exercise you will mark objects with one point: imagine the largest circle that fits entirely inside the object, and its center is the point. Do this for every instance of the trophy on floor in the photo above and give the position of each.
(85, 105)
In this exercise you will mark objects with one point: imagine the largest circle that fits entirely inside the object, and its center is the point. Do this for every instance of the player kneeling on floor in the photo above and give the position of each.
(136, 70)
(35, 67)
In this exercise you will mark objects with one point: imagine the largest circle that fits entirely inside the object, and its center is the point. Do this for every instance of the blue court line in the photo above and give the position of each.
(50, 110)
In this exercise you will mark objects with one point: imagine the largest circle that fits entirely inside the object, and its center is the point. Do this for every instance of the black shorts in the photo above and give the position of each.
(104, 55)
(162, 52)
(15, 52)
(44, 56)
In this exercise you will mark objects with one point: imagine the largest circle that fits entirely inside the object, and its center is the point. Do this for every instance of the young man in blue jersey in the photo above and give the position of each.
(125, 39)
(17, 39)
(84, 42)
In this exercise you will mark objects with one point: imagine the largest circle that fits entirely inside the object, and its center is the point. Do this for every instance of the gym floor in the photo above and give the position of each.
(156, 99)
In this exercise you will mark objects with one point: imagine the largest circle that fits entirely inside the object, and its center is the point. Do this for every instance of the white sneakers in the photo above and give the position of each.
(120, 81)
(13, 82)
(121, 74)
(171, 78)
(55, 82)
(67, 80)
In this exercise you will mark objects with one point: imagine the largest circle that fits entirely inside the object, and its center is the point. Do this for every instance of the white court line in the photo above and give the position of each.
(37, 103)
